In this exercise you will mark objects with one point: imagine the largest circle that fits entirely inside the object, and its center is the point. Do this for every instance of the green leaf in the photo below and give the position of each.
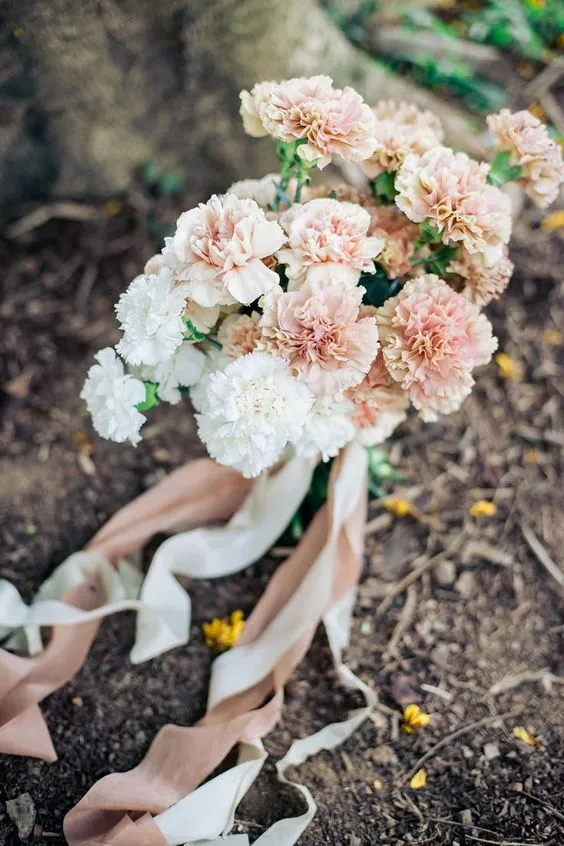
(151, 397)
(384, 187)
(191, 333)
(502, 170)
(428, 234)
(170, 184)
(378, 287)
(439, 260)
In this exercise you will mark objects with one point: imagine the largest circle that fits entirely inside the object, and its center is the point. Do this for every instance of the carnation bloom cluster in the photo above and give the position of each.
(299, 317)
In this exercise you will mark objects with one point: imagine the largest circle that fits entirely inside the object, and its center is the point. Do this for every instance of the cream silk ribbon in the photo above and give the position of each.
(163, 800)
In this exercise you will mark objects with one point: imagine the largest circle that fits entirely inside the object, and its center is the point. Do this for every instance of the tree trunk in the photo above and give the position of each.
(93, 88)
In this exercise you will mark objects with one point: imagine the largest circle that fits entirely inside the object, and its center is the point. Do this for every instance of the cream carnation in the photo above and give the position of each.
(150, 314)
(111, 398)
(251, 103)
(432, 338)
(379, 404)
(318, 330)
(252, 410)
(218, 248)
(239, 334)
(327, 429)
(183, 370)
(400, 129)
(328, 238)
(332, 122)
(450, 190)
(398, 235)
(526, 138)
(482, 284)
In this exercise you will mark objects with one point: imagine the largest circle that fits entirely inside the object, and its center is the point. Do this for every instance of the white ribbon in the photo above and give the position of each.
(243, 666)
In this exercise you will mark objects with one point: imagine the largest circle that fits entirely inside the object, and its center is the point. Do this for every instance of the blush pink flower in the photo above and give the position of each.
(239, 334)
(379, 404)
(432, 338)
(318, 330)
(526, 138)
(400, 129)
(450, 190)
(482, 284)
(331, 121)
(327, 238)
(218, 248)
(399, 235)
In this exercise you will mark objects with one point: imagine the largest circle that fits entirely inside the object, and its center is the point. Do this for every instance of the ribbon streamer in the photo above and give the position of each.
(159, 802)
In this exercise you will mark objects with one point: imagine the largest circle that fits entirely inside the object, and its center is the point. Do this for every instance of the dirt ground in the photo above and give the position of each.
(476, 639)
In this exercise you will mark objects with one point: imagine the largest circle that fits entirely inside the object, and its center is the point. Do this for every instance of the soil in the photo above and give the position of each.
(493, 613)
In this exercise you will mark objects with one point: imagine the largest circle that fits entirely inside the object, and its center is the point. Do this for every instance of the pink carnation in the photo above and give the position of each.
(432, 338)
(532, 149)
(239, 334)
(399, 235)
(217, 249)
(400, 129)
(450, 190)
(379, 404)
(333, 122)
(328, 238)
(318, 330)
(482, 284)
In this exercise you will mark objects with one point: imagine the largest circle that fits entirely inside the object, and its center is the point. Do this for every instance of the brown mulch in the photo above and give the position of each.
(491, 613)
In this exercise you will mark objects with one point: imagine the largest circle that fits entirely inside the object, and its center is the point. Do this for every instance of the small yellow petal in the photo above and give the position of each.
(419, 780)
(483, 508)
(509, 368)
(414, 718)
(111, 208)
(526, 736)
(399, 507)
(553, 336)
(531, 456)
(377, 784)
(17, 32)
(554, 220)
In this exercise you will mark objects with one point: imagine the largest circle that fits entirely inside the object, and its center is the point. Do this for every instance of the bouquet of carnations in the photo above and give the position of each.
(302, 316)
(304, 320)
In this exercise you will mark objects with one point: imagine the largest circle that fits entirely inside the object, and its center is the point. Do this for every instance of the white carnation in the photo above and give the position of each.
(111, 397)
(250, 412)
(262, 191)
(328, 428)
(150, 313)
(183, 370)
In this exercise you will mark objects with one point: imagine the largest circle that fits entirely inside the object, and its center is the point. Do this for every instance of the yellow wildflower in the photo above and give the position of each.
(522, 734)
(483, 508)
(419, 780)
(17, 32)
(414, 718)
(399, 507)
(509, 368)
(222, 634)
(553, 336)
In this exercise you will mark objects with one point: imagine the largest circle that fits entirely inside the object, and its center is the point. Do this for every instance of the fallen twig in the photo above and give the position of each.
(542, 555)
(486, 721)
(403, 622)
(416, 574)
(66, 211)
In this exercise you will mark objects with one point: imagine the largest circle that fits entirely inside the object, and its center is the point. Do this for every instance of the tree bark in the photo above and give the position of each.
(105, 85)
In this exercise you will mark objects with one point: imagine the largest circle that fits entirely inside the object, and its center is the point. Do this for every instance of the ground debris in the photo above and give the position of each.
(21, 811)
